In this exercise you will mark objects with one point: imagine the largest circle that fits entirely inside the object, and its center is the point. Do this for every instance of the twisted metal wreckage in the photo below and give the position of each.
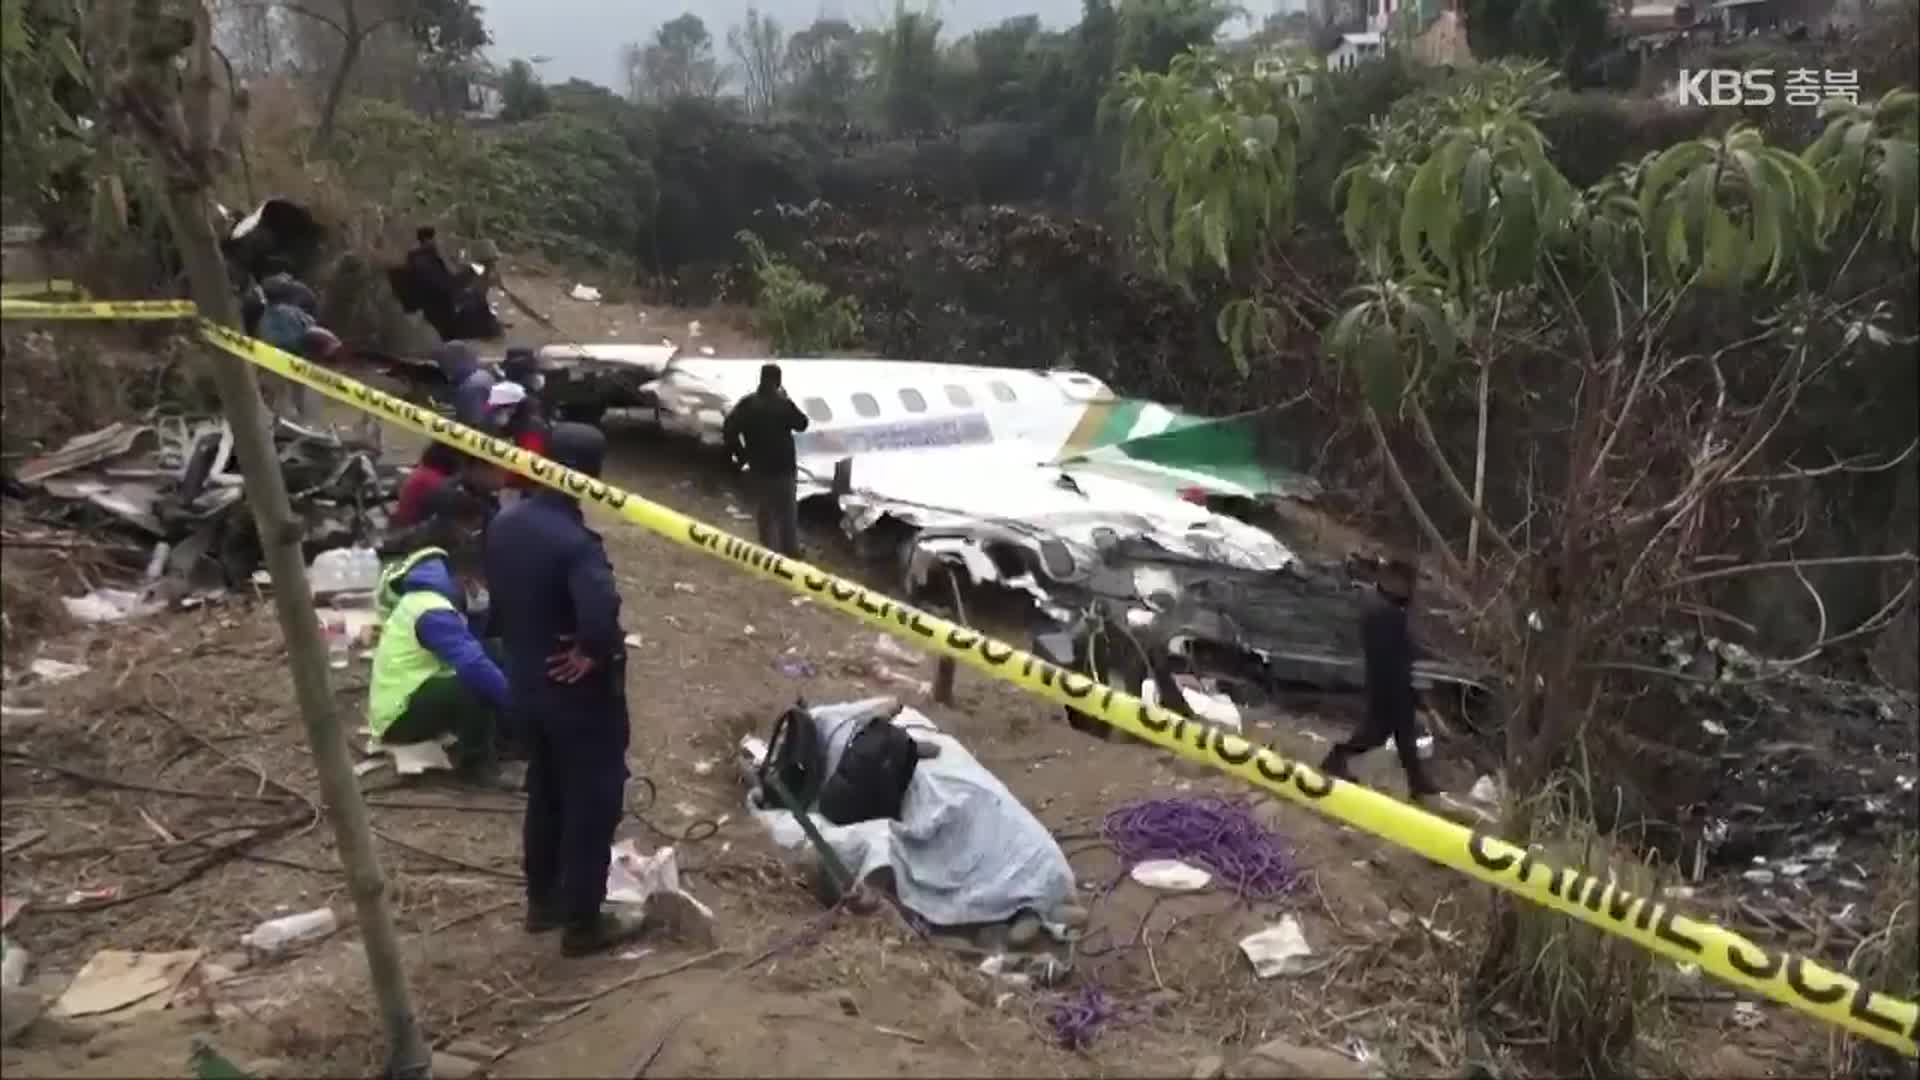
(1108, 514)
(174, 483)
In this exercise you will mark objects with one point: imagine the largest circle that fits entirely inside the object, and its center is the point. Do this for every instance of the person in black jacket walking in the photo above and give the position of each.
(759, 434)
(1387, 641)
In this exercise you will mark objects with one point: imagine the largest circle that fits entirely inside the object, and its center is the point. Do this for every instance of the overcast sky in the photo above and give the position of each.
(582, 38)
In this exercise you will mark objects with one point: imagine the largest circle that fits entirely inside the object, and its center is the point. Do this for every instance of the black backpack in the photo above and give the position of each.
(874, 773)
(793, 757)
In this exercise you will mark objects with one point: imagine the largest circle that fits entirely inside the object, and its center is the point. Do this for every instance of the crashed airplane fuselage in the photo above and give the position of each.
(969, 460)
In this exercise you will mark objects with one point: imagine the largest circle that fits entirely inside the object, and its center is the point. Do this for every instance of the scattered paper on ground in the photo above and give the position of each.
(1277, 950)
(113, 980)
(1170, 875)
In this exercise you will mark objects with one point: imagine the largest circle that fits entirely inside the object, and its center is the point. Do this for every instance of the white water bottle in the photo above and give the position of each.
(338, 647)
(276, 934)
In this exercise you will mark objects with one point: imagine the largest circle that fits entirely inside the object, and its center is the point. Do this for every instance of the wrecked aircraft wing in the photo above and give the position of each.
(965, 456)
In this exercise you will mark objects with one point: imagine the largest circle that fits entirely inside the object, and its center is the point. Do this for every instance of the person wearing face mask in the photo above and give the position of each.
(432, 674)
(527, 425)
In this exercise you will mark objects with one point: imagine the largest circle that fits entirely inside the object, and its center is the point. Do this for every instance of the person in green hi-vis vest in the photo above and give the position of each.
(431, 674)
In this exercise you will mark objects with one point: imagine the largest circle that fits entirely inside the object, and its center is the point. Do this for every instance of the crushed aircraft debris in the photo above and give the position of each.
(175, 483)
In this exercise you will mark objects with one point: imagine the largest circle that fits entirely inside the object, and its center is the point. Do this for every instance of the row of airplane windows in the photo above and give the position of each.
(866, 406)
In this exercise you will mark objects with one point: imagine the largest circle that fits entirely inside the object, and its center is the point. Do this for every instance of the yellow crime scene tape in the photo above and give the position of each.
(1787, 978)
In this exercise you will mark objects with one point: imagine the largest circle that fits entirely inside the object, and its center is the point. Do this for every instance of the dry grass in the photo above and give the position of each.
(1577, 999)
(1889, 961)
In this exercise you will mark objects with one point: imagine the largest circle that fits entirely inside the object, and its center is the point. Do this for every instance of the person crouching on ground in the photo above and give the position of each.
(759, 434)
(558, 607)
(431, 675)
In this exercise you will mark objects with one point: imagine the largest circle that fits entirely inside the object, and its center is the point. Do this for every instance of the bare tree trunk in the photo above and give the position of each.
(337, 87)
(182, 143)
(1479, 469)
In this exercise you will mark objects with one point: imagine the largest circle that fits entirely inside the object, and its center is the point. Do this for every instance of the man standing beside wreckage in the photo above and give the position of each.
(759, 434)
(555, 601)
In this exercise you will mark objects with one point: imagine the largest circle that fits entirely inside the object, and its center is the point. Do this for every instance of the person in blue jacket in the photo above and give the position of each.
(470, 379)
(558, 608)
(431, 674)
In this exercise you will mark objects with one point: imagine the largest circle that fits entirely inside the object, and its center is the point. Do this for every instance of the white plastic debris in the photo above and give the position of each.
(1424, 744)
(1713, 728)
(693, 328)
(1485, 790)
(1170, 875)
(586, 294)
(277, 934)
(1746, 1014)
(886, 646)
(632, 877)
(47, 669)
(1217, 709)
(13, 965)
(344, 570)
(107, 605)
(412, 759)
(1277, 950)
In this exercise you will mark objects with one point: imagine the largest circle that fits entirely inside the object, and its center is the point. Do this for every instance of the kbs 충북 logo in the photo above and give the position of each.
(1722, 87)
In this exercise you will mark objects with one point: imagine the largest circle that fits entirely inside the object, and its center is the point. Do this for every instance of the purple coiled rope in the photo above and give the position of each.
(1218, 835)
(1076, 1019)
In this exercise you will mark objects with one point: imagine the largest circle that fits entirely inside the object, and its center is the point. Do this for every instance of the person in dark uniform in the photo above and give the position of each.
(759, 434)
(1386, 637)
(432, 282)
(556, 604)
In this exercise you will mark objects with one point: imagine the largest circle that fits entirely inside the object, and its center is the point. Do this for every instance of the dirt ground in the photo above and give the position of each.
(175, 771)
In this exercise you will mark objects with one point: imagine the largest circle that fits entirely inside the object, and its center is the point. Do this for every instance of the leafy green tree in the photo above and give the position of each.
(1568, 34)
(449, 35)
(1154, 32)
(44, 119)
(1006, 69)
(1218, 147)
(909, 72)
(522, 97)
(678, 63)
(798, 317)
(826, 63)
(1873, 150)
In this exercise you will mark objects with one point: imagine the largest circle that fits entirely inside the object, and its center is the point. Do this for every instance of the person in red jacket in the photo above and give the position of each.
(440, 464)
(527, 425)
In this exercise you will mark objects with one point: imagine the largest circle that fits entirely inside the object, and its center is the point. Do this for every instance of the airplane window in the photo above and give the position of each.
(1002, 391)
(959, 396)
(913, 400)
(865, 405)
(818, 411)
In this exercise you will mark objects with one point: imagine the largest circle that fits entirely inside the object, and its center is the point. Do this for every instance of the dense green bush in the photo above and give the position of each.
(798, 317)
(1589, 133)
